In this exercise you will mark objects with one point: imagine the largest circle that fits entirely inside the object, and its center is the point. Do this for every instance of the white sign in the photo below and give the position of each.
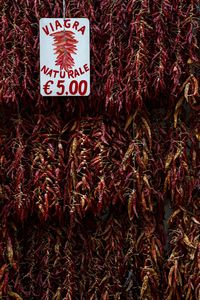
(64, 57)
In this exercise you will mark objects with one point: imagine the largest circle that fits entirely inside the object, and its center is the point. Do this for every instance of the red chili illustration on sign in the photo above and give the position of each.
(65, 47)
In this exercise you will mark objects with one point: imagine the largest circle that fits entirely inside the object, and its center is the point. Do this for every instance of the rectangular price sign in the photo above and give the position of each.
(64, 57)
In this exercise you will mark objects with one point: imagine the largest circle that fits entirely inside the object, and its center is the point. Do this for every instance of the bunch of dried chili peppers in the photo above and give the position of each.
(100, 195)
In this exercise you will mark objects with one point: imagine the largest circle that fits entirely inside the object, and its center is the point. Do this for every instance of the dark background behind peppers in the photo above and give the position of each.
(84, 180)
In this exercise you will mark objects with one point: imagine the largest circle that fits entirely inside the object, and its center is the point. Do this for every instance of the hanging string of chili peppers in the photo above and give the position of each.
(84, 182)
